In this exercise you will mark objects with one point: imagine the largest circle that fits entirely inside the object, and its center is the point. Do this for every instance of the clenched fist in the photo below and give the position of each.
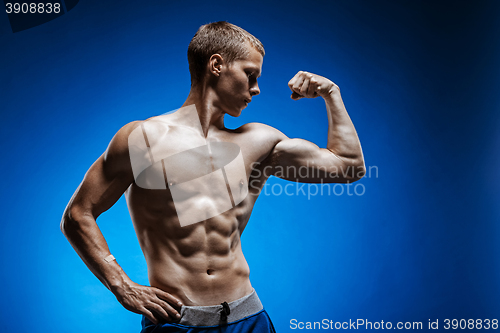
(309, 85)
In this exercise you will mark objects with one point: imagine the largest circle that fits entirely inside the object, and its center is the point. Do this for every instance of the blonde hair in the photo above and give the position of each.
(222, 38)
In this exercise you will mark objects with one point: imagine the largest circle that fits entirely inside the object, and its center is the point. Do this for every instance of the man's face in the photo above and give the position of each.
(238, 83)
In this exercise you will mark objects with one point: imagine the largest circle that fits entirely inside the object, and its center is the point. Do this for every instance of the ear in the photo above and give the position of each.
(215, 64)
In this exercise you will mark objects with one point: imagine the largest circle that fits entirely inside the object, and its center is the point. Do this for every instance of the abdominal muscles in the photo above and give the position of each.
(200, 264)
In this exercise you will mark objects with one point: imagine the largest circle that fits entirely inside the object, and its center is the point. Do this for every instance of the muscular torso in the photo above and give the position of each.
(202, 262)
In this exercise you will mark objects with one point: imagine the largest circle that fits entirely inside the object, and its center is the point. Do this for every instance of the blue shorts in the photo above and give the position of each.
(241, 316)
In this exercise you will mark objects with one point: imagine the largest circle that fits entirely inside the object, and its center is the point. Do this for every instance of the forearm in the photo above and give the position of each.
(343, 140)
(82, 232)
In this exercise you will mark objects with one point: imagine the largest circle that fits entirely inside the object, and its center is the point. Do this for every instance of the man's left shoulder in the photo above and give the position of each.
(262, 131)
(260, 139)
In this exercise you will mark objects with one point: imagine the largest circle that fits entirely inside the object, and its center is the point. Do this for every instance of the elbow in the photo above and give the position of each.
(70, 220)
(352, 168)
(359, 171)
(66, 222)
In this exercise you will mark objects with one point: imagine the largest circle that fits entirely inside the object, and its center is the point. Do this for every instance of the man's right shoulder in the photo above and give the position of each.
(120, 141)
(116, 156)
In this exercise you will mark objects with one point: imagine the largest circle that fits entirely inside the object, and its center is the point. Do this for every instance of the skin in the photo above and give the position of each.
(202, 263)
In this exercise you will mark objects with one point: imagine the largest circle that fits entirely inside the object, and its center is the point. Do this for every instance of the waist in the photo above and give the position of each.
(220, 314)
(201, 288)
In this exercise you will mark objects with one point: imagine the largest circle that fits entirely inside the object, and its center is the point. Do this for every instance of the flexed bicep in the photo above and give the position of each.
(342, 159)
(303, 161)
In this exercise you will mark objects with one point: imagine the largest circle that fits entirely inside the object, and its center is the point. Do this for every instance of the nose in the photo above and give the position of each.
(254, 90)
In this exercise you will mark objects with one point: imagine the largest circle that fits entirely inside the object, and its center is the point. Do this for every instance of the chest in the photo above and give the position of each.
(163, 156)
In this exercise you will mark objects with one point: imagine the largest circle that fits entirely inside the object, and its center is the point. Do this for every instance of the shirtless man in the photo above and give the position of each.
(197, 271)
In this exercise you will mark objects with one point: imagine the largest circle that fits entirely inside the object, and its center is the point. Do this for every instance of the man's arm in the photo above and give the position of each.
(301, 160)
(106, 180)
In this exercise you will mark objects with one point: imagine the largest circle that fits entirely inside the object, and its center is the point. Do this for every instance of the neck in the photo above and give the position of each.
(211, 117)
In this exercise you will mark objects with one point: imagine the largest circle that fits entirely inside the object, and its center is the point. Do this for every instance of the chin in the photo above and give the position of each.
(235, 113)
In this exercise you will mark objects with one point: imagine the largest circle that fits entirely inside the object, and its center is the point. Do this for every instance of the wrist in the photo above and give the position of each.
(118, 282)
(333, 94)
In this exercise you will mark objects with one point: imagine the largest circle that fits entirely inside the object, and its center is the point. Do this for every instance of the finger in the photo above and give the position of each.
(168, 297)
(158, 310)
(173, 313)
(294, 78)
(314, 88)
(296, 88)
(298, 81)
(304, 88)
(296, 96)
(148, 314)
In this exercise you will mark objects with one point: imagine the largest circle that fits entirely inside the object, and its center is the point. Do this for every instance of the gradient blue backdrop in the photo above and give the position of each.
(420, 80)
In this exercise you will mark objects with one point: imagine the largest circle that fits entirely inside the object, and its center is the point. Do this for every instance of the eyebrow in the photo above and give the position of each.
(258, 71)
(255, 70)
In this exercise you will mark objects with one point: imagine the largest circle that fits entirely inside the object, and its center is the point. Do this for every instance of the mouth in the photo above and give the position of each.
(248, 100)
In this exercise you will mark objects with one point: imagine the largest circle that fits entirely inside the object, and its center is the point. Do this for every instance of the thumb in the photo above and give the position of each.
(296, 96)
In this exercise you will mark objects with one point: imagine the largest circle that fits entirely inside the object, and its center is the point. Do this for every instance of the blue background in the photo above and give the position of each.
(420, 80)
